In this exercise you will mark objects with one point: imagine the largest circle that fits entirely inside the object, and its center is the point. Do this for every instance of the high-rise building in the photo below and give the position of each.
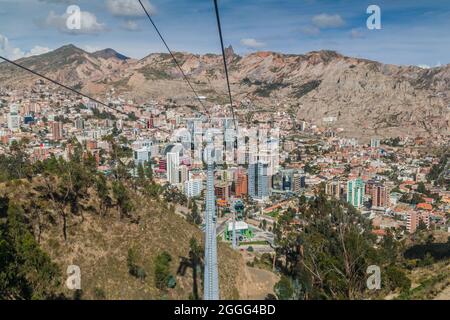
(355, 192)
(277, 182)
(414, 218)
(79, 123)
(334, 188)
(288, 179)
(13, 118)
(241, 184)
(142, 155)
(298, 182)
(222, 190)
(264, 180)
(380, 196)
(57, 130)
(252, 180)
(369, 185)
(259, 181)
(173, 161)
(184, 172)
(283, 180)
(193, 188)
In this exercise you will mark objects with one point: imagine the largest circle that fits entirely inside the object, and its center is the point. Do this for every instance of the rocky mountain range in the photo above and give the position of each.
(363, 97)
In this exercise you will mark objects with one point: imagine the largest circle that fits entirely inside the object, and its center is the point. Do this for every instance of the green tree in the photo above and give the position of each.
(283, 289)
(26, 272)
(66, 183)
(152, 190)
(103, 194)
(149, 171)
(194, 216)
(123, 200)
(421, 188)
(396, 278)
(162, 270)
(330, 255)
(133, 268)
(15, 164)
(142, 179)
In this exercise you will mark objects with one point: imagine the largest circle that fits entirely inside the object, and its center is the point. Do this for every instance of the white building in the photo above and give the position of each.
(144, 150)
(13, 118)
(193, 188)
(374, 143)
(149, 143)
(142, 155)
(173, 162)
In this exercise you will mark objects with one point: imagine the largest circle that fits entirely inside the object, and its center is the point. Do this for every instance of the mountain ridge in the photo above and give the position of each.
(366, 97)
(109, 53)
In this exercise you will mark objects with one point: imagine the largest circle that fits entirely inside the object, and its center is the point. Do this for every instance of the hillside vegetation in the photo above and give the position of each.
(118, 229)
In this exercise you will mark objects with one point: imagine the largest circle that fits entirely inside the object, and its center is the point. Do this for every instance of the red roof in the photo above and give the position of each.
(424, 206)
(379, 232)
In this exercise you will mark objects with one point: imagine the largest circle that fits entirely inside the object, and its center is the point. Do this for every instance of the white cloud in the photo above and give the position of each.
(9, 51)
(130, 25)
(13, 53)
(89, 23)
(37, 50)
(310, 30)
(325, 21)
(129, 8)
(252, 43)
(424, 66)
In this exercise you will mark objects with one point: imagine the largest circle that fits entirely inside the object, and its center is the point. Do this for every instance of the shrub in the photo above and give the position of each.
(162, 270)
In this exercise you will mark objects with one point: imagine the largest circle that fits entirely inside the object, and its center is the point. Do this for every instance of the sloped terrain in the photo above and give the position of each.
(99, 246)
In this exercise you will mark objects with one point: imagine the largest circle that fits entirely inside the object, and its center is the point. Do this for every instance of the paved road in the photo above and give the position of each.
(262, 235)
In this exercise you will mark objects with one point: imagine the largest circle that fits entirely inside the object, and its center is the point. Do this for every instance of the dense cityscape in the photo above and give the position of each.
(400, 185)
(272, 150)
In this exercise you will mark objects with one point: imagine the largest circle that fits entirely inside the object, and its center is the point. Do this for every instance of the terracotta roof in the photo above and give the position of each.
(379, 232)
(424, 206)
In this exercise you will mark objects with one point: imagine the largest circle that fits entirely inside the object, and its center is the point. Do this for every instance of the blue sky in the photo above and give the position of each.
(413, 32)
